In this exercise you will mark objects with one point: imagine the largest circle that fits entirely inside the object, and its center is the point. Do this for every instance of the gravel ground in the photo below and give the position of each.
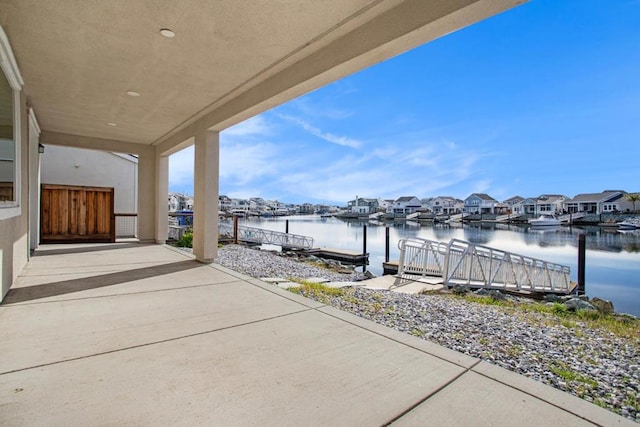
(257, 263)
(593, 364)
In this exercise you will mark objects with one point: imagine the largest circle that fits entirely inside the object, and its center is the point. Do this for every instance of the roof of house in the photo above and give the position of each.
(483, 196)
(597, 197)
(514, 199)
(550, 198)
(405, 198)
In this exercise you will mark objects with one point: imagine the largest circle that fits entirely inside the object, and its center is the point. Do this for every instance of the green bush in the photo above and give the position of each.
(186, 240)
(559, 309)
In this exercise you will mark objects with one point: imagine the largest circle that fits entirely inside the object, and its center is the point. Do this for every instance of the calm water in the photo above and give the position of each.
(612, 258)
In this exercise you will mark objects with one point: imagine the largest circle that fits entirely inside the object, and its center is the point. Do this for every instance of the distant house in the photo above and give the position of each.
(307, 209)
(384, 205)
(597, 203)
(405, 205)
(512, 201)
(426, 204)
(550, 204)
(525, 206)
(224, 203)
(362, 206)
(480, 203)
(445, 205)
(239, 206)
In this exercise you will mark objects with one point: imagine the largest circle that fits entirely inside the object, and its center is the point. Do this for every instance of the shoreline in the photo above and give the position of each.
(564, 352)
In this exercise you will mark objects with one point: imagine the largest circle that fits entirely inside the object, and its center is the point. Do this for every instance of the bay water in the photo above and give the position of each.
(612, 267)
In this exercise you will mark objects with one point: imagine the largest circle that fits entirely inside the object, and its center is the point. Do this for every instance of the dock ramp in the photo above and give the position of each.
(462, 263)
(260, 236)
(505, 218)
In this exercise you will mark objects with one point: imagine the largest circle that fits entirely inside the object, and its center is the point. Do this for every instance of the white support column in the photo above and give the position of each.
(205, 210)
(147, 171)
(162, 193)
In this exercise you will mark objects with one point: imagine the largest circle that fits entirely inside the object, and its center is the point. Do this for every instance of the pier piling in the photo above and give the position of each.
(582, 246)
(235, 229)
(364, 245)
(386, 244)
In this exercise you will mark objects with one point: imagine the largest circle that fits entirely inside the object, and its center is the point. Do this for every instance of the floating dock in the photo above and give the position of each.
(390, 267)
(342, 255)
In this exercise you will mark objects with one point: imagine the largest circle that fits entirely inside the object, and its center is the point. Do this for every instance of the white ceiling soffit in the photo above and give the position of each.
(229, 59)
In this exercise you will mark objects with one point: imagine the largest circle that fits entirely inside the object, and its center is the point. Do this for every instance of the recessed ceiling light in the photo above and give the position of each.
(167, 33)
(111, 124)
(133, 93)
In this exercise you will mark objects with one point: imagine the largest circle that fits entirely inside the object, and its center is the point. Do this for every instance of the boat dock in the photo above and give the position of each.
(390, 267)
(342, 255)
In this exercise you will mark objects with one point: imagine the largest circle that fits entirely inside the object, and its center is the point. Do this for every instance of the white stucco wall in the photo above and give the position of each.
(76, 166)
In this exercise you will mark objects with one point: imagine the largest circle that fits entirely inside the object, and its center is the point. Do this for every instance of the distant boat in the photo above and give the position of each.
(629, 224)
(545, 221)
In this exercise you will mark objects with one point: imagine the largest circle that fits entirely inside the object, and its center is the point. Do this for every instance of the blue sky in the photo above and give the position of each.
(544, 98)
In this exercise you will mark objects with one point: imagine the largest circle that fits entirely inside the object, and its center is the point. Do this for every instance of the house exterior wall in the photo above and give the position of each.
(14, 230)
(75, 166)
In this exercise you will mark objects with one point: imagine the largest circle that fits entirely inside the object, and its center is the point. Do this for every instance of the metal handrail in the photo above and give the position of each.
(421, 257)
(463, 263)
(258, 235)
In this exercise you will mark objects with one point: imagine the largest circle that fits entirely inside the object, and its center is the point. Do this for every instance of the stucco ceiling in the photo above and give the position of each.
(79, 58)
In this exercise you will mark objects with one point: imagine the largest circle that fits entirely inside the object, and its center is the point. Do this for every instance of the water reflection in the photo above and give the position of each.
(613, 257)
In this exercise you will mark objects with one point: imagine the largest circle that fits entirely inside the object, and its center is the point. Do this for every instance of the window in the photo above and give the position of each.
(7, 144)
(10, 138)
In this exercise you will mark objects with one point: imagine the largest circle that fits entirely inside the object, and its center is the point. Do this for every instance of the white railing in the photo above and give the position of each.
(126, 224)
(421, 257)
(463, 263)
(570, 217)
(258, 235)
(457, 217)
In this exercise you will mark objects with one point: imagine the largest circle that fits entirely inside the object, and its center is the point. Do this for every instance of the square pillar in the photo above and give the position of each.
(205, 198)
(162, 194)
(153, 183)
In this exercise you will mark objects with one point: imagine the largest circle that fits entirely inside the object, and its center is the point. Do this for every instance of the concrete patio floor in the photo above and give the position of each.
(133, 334)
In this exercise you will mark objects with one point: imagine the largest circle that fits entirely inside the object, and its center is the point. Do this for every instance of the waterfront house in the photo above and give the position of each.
(525, 206)
(307, 209)
(445, 205)
(224, 203)
(480, 203)
(426, 204)
(384, 205)
(179, 202)
(239, 206)
(550, 204)
(607, 201)
(362, 206)
(511, 202)
(405, 205)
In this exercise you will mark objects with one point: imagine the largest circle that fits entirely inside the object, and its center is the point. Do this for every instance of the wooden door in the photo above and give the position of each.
(77, 214)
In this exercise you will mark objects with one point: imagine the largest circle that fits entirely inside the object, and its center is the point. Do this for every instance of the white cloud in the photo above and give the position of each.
(327, 136)
(417, 169)
(244, 163)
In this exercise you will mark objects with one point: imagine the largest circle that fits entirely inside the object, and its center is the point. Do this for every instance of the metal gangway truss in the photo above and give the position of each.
(260, 236)
(462, 263)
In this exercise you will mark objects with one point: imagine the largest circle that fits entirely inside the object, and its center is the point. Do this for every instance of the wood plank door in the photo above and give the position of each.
(74, 214)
